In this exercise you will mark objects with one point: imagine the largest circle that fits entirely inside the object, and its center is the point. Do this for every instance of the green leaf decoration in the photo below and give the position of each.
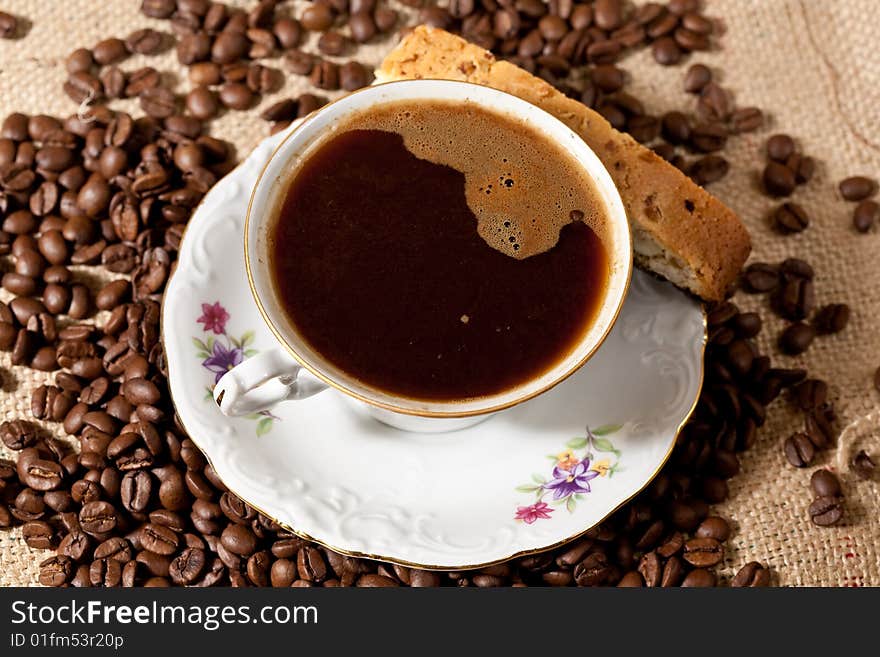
(251, 352)
(525, 488)
(209, 394)
(576, 443)
(561, 500)
(235, 342)
(200, 345)
(570, 504)
(247, 338)
(538, 479)
(253, 416)
(211, 341)
(552, 457)
(605, 429)
(203, 354)
(264, 426)
(604, 445)
(579, 496)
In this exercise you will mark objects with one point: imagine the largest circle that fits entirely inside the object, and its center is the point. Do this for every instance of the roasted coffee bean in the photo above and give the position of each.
(262, 79)
(825, 484)
(136, 490)
(826, 511)
(229, 47)
(796, 338)
(19, 284)
(709, 169)
(186, 567)
(631, 579)
(158, 539)
(778, 179)
(749, 119)
(97, 518)
(115, 548)
(699, 578)
(673, 572)
(317, 17)
(310, 564)
(75, 545)
(608, 14)
(714, 527)
(857, 188)
(697, 77)
(863, 465)
(18, 434)
(651, 569)
(239, 540)
(325, 75)
(832, 318)
(56, 571)
(708, 138)
(795, 299)
(113, 80)
(866, 215)
(299, 62)
(799, 450)
(760, 277)
(158, 102)
(109, 51)
(202, 103)
(780, 147)
(703, 552)
(257, 568)
(112, 294)
(675, 127)
(83, 87)
(193, 47)
(594, 570)
(236, 95)
(753, 575)
(790, 218)
(666, 51)
(288, 32)
(19, 222)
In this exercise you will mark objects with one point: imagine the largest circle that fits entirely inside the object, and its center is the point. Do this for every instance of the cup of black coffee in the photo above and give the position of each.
(437, 250)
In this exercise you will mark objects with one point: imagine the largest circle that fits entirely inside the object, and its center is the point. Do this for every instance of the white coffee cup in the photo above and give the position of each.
(294, 370)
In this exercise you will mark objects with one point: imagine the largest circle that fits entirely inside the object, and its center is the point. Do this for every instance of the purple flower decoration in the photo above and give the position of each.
(569, 482)
(214, 317)
(533, 512)
(223, 359)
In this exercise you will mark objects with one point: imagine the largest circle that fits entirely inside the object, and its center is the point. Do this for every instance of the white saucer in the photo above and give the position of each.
(500, 489)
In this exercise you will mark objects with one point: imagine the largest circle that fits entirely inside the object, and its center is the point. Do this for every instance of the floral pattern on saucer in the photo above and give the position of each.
(570, 478)
(221, 352)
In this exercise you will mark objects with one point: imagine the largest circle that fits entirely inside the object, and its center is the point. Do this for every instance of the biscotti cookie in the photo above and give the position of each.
(680, 231)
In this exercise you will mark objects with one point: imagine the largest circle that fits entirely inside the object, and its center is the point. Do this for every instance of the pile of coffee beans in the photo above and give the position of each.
(792, 296)
(133, 501)
(859, 190)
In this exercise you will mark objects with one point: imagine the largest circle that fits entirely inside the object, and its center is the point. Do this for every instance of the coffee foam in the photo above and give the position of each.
(521, 186)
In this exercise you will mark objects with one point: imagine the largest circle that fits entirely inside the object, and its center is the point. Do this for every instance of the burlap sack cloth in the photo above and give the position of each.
(813, 66)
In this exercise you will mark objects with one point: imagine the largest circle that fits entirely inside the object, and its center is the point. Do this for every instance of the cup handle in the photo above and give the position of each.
(260, 382)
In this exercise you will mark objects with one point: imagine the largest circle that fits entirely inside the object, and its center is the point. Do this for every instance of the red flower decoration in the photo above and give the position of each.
(214, 317)
(531, 513)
